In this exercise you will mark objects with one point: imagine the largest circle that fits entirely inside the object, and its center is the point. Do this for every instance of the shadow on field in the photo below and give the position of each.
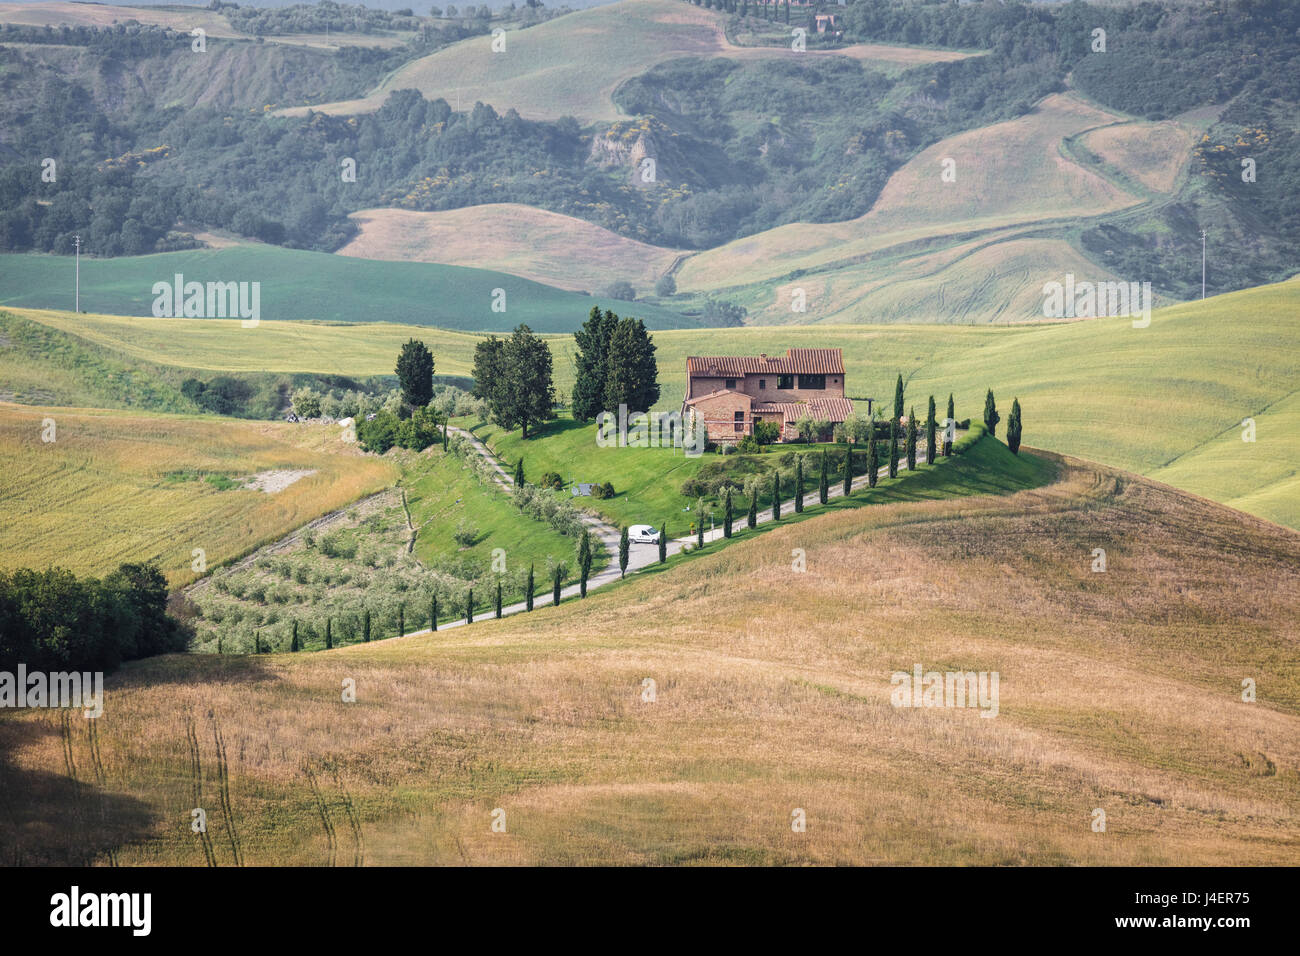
(190, 670)
(63, 817)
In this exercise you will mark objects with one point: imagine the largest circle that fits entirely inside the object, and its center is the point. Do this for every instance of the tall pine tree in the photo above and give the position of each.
(823, 483)
(893, 448)
(930, 425)
(1013, 427)
(798, 484)
(898, 398)
(848, 471)
(873, 458)
(592, 363)
(911, 439)
(633, 375)
(727, 514)
(952, 418)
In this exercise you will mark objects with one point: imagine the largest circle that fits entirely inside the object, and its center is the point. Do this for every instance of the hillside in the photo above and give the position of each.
(296, 284)
(154, 487)
(572, 65)
(1169, 396)
(784, 706)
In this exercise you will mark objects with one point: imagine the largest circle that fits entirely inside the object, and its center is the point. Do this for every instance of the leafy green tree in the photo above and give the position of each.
(893, 448)
(727, 514)
(751, 519)
(911, 439)
(798, 484)
(528, 369)
(592, 363)
(415, 373)
(823, 483)
(665, 286)
(624, 546)
(898, 398)
(930, 425)
(1013, 427)
(633, 374)
(991, 416)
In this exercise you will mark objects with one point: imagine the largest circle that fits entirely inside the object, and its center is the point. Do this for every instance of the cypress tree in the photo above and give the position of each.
(555, 585)
(911, 440)
(624, 546)
(584, 561)
(952, 417)
(365, 627)
(798, 484)
(469, 607)
(663, 543)
(433, 613)
(727, 514)
(991, 416)
(751, 519)
(893, 448)
(293, 645)
(219, 648)
(498, 599)
(401, 619)
(528, 598)
(519, 473)
(699, 532)
(776, 495)
(873, 458)
(823, 484)
(446, 422)
(898, 398)
(848, 471)
(929, 434)
(1013, 427)
(787, 12)
(329, 637)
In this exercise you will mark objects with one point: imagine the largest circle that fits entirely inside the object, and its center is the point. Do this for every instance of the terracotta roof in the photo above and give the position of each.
(794, 362)
(716, 393)
(831, 409)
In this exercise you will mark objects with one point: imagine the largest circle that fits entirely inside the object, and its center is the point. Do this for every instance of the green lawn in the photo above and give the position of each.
(442, 493)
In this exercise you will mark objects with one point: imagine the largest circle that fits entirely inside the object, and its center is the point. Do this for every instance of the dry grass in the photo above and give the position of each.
(1152, 153)
(547, 247)
(101, 494)
(1119, 690)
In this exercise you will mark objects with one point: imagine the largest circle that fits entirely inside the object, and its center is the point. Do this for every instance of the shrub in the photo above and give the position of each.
(307, 403)
(465, 534)
(766, 432)
(552, 480)
(748, 445)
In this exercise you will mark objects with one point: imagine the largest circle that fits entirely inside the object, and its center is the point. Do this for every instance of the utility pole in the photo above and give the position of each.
(1202, 263)
(76, 241)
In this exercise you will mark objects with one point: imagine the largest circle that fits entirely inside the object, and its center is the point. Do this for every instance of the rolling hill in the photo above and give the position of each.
(571, 66)
(1171, 396)
(783, 707)
(297, 284)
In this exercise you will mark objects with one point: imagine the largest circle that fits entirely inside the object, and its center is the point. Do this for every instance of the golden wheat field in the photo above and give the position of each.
(771, 695)
(114, 487)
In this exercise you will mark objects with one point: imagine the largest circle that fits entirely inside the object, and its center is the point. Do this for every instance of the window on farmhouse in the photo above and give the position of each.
(731, 383)
(812, 381)
(762, 384)
(785, 381)
(740, 421)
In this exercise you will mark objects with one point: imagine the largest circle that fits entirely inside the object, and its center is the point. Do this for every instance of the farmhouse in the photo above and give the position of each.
(729, 393)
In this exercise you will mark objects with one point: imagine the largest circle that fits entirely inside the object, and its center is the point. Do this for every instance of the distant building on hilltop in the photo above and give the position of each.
(729, 393)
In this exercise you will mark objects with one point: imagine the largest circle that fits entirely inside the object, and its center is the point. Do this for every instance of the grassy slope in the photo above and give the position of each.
(1141, 399)
(310, 285)
(570, 66)
(442, 493)
(546, 247)
(772, 693)
(98, 495)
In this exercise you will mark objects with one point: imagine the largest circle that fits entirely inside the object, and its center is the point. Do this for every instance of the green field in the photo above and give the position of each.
(296, 284)
(1165, 401)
